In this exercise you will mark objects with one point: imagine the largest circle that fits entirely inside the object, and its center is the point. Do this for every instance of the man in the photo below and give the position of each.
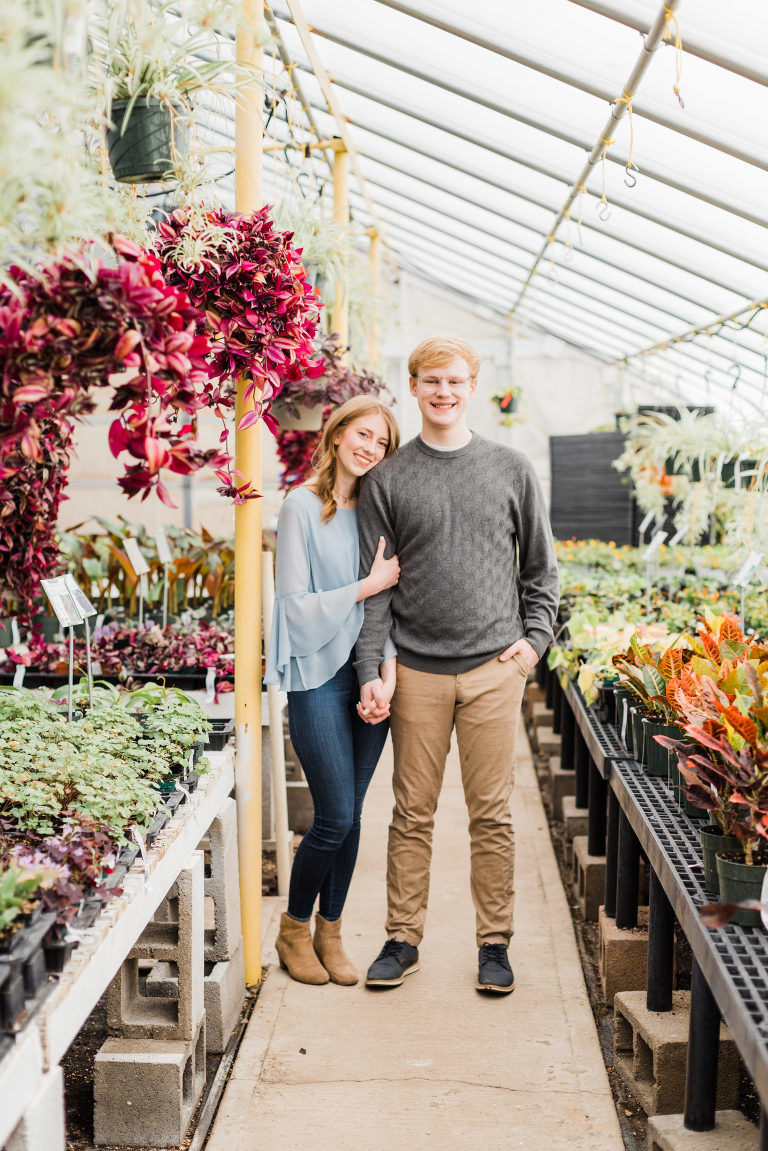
(467, 520)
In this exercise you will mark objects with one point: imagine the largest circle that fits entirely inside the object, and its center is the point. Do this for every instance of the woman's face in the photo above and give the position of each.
(362, 444)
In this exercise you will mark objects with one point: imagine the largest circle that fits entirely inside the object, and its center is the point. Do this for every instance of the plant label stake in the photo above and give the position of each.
(15, 637)
(86, 609)
(743, 578)
(18, 675)
(140, 568)
(679, 534)
(165, 556)
(650, 556)
(645, 523)
(68, 615)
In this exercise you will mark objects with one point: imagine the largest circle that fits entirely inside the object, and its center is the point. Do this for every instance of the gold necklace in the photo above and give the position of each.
(340, 499)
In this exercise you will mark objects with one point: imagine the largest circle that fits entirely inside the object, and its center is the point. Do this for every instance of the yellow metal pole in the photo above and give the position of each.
(375, 258)
(248, 196)
(340, 313)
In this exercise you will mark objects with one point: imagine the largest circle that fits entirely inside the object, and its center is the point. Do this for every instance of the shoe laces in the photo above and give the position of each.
(494, 953)
(391, 947)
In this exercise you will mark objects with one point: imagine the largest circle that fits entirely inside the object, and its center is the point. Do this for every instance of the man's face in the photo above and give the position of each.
(443, 393)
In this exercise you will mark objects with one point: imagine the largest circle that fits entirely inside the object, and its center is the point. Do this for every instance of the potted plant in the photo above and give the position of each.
(149, 60)
(507, 403)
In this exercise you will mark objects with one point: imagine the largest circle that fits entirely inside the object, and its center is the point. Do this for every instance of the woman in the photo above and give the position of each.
(318, 615)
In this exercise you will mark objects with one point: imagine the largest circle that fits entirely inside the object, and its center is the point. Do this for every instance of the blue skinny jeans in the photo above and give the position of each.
(338, 753)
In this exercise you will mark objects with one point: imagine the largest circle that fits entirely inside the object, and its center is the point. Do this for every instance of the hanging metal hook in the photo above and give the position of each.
(603, 211)
(629, 179)
(736, 376)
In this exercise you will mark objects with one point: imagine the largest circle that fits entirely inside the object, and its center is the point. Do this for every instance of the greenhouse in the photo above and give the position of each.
(383, 575)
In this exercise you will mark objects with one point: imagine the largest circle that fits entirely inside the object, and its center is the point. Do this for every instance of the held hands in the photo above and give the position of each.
(384, 573)
(523, 650)
(375, 698)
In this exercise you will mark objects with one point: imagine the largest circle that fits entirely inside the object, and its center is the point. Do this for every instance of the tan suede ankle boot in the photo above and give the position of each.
(330, 951)
(297, 956)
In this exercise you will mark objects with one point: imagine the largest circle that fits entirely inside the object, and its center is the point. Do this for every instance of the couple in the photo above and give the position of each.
(440, 644)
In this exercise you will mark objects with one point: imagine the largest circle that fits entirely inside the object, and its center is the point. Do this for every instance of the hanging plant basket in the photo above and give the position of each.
(142, 150)
(306, 420)
(507, 403)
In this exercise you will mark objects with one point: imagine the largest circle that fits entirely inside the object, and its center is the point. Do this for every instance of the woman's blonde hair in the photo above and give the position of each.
(324, 461)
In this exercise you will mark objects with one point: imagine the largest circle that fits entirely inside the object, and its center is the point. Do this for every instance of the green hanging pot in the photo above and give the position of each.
(142, 148)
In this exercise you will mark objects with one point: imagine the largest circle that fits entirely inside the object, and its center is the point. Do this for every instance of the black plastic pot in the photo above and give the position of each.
(57, 952)
(156, 826)
(638, 736)
(141, 150)
(223, 730)
(738, 882)
(657, 757)
(11, 994)
(712, 841)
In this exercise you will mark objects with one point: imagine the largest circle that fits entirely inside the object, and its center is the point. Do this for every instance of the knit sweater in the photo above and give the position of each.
(468, 525)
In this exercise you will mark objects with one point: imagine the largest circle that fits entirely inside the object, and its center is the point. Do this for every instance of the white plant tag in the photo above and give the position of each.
(18, 675)
(654, 545)
(744, 575)
(646, 522)
(164, 553)
(84, 605)
(210, 685)
(60, 598)
(139, 839)
(678, 535)
(15, 636)
(99, 620)
(764, 901)
(96, 666)
(135, 556)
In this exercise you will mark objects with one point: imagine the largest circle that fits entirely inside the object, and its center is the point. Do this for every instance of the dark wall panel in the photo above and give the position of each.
(590, 499)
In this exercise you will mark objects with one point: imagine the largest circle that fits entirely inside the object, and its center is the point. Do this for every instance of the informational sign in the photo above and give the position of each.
(745, 573)
(653, 547)
(84, 605)
(60, 599)
(163, 547)
(135, 556)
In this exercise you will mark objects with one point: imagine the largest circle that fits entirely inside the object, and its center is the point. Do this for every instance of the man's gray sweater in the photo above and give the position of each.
(466, 525)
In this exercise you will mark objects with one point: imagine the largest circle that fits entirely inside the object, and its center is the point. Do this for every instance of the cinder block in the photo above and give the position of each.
(561, 784)
(145, 1090)
(651, 1050)
(547, 743)
(732, 1132)
(623, 957)
(42, 1125)
(301, 810)
(174, 936)
(575, 819)
(541, 716)
(223, 928)
(588, 878)
(224, 994)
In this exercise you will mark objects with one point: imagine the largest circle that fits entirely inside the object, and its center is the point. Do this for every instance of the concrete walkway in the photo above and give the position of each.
(433, 1063)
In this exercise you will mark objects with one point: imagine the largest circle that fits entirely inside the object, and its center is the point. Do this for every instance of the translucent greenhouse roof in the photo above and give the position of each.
(488, 161)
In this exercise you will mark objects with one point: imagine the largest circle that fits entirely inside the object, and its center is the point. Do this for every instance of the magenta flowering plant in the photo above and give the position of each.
(261, 312)
(67, 328)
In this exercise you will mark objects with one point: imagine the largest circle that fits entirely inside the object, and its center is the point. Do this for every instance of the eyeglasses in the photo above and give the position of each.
(453, 382)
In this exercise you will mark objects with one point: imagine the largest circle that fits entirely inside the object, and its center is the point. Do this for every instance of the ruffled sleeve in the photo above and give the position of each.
(307, 623)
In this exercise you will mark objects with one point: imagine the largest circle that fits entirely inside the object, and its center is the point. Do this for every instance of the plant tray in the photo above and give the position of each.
(223, 730)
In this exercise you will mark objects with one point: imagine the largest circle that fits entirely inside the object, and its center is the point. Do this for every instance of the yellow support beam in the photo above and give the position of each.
(340, 311)
(374, 254)
(248, 196)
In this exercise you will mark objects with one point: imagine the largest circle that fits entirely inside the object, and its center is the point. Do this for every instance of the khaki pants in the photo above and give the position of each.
(484, 706)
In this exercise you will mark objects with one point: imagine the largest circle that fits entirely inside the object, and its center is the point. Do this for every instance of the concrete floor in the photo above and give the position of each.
(433, 1063)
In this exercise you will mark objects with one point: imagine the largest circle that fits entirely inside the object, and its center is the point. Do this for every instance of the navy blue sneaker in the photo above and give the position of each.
(494, 973)
(390, 967)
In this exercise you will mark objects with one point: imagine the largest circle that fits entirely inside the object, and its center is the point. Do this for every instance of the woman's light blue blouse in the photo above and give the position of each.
(317, 618)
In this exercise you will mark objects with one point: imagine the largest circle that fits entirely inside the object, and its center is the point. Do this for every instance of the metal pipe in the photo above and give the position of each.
(583, 85)
(618, 159)
(283, 837)
(340, 311)
(628, 875)
(690, 332)
(248, 193)
(290, 68)
(632, 209)
(611, 853)
(703, 1050)
(567, 734)
(692, 46)
(581, 768)
(618, 110)
(596, 821)
(661, 948)
(623, 240)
